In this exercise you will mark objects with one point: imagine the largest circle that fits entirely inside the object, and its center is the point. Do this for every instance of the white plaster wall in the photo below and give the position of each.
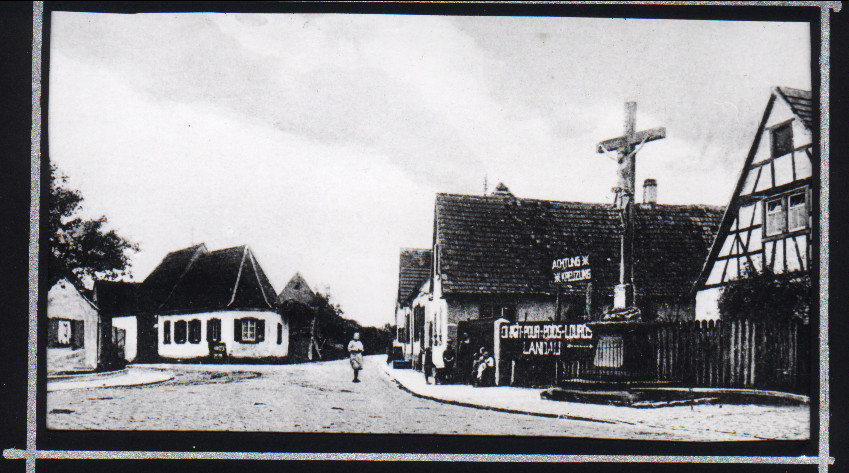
(266, 348)
(130, 327)
(707, 304)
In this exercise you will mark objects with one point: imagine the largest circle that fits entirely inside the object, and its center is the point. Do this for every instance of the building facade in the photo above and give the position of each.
(767, 224)
(503, 257)
(415, 267)
(73, 331)
(201, 305)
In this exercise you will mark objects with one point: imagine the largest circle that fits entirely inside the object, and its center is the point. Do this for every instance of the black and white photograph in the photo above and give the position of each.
(531, 226)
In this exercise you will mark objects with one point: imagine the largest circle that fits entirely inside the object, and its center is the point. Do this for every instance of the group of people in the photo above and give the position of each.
(465, 366)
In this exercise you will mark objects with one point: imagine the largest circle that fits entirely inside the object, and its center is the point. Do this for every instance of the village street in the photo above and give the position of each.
(316, 397)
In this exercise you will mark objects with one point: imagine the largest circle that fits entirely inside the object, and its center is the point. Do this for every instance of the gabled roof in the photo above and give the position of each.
(297, 290)
(161, 281)
(118, 298)
(800, 103)
(414, 269)
(222, 279)
(500, 244)
(191, 280)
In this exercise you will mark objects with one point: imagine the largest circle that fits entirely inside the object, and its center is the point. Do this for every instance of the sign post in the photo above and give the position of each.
(568, 270)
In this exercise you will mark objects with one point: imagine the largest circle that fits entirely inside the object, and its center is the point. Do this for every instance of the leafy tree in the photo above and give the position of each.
(83, 246)
(765, 295)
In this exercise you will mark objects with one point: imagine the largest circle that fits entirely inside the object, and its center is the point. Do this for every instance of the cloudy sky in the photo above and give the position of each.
(321, 140)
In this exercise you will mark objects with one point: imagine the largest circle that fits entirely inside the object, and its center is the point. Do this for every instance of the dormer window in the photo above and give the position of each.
(781, 139)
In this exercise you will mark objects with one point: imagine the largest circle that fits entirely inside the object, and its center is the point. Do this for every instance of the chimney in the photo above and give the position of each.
(650, 191)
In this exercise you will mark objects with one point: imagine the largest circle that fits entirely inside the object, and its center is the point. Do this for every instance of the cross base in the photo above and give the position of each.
(623, 296)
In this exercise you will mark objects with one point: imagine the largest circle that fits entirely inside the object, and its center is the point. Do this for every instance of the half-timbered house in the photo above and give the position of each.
(767, 223)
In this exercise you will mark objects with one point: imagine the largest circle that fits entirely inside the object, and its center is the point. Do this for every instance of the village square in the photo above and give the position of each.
(379, 289)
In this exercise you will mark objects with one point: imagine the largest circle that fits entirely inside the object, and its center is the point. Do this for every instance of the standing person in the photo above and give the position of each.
(464, 358)
(447, 375)
(355, 351)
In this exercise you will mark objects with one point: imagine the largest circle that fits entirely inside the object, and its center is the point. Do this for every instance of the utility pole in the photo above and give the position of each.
(627, 146)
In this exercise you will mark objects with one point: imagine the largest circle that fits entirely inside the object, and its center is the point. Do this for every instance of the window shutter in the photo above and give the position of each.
(237, 330)
(209, 334)
(77, 333)
(52, 332)
(260, 330)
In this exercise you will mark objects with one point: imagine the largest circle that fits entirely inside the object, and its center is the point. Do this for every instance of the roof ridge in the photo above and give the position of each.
(254, 265)
(183, 273)
(239, 274)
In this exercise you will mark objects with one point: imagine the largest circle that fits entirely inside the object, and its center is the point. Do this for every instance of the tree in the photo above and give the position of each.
(83, 246)
(764, 295)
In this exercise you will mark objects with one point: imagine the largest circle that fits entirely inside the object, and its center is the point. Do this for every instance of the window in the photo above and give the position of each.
(249, 330)
(180, 331)
(775, 217)
(781, 139)
(166, 333)
(797, 212)
(65, 333)
(279, 334)
(194, 331)
(786, 213)
(213, 330)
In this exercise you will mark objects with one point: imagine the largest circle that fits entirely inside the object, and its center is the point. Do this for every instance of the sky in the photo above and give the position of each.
(321, 141)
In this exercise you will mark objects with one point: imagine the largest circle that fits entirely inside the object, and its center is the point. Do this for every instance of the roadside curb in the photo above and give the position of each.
(496, 408)
(87, 375)
(169, 377)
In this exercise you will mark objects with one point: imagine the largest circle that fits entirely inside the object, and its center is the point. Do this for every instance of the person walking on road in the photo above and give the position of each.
(355, 351)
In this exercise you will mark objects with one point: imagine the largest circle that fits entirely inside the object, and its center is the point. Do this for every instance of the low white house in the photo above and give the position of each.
(73, 328)
(201, 305)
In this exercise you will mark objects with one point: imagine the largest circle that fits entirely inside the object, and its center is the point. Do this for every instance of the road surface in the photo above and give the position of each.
(317, 397)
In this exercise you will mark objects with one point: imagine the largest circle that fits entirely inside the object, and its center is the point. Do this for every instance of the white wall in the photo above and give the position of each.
(129, 325)
(266, 348)
(65, 302)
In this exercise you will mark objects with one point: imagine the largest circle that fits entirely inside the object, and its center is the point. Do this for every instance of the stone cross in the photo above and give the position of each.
(627, 146)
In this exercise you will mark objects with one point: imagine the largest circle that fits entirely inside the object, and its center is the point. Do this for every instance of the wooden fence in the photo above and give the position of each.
(739, 354)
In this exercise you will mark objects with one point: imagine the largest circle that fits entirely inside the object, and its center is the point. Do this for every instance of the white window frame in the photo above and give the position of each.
(791, 208)
(770, 216)
(249, 330)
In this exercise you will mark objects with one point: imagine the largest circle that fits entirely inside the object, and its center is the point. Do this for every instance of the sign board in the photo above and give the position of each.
(571, 269)
(545, 339)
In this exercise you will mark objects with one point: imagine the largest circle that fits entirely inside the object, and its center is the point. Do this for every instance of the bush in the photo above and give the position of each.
(766, 296)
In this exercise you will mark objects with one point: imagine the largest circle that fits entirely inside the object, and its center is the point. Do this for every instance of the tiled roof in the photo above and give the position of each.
(800, 102)
(161, 281)
(191, 280)
(298, 290)
(228, 278)
(500, 244)
(117, 298)
(414, 269)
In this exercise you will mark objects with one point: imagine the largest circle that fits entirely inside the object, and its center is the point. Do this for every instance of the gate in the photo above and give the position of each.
(119, 336)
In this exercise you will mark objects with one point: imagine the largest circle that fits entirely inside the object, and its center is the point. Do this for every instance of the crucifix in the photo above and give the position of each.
(627, 146)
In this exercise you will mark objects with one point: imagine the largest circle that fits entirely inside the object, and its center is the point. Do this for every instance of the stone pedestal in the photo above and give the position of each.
(622, 350)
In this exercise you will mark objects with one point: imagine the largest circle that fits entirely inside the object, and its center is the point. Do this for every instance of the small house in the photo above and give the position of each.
(73, 341)
(201, 305)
